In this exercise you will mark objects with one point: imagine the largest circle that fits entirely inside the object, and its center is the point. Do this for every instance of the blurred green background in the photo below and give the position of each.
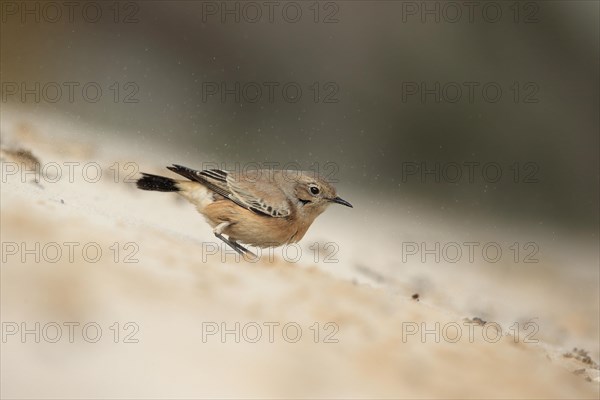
(364, 54)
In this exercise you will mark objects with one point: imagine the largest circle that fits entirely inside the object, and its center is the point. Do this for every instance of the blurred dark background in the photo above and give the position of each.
(364, 57)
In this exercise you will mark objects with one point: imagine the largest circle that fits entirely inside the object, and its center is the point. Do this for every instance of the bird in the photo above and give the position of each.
(260, 207)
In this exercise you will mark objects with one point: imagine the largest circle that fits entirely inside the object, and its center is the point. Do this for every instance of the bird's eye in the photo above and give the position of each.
(314, 190)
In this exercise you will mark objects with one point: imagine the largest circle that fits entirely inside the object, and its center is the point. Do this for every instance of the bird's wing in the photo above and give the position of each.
(212, 179)
(251, 190)
(260, 193)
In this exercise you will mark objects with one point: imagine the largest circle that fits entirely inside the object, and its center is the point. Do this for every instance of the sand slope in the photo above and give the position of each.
(356, 316)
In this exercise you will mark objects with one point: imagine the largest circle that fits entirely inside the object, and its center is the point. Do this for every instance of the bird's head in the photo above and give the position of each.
(314, 193)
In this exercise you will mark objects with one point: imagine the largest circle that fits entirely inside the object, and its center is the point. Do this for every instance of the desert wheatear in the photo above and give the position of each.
(263, 208)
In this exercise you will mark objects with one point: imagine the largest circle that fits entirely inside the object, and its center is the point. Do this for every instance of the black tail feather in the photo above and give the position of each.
(157, 183)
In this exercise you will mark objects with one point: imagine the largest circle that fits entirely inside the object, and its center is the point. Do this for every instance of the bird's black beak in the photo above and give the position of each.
(341, 201)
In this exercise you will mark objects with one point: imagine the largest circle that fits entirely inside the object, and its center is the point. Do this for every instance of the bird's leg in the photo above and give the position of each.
(218, 231)
(242, 250)
(231, 244)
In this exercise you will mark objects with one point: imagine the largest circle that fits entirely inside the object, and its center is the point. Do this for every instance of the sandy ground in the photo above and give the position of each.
(163, 313)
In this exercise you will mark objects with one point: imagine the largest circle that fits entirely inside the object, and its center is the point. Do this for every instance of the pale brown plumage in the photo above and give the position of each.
(263, 208)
